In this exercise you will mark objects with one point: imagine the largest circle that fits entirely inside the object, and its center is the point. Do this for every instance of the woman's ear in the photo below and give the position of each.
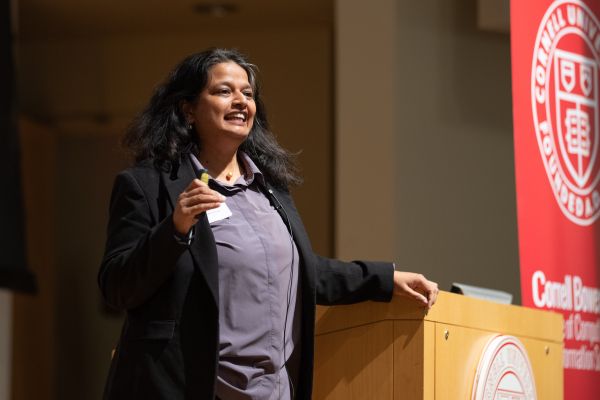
(186, 109)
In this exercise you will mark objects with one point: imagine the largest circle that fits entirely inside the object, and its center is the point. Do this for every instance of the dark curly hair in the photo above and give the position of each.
(160, 131)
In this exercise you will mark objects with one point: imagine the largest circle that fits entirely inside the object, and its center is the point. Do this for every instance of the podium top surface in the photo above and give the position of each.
(449, 309)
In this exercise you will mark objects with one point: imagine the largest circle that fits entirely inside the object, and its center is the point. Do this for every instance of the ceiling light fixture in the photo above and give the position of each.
(216, 10)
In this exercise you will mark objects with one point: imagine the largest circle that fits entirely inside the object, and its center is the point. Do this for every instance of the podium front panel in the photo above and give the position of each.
(353, 364)
(395, 351)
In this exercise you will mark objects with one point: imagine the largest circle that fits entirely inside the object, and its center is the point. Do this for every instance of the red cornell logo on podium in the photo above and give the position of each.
(565, 108)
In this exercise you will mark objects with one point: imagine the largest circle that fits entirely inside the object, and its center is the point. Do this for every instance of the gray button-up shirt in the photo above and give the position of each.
(258, 292)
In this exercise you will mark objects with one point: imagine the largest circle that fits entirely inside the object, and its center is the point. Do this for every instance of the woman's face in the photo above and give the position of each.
(225, 108)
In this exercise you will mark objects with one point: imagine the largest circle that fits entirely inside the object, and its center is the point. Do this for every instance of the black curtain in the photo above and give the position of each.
(14, 273)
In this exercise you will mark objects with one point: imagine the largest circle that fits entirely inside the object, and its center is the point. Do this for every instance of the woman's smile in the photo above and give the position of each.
(225, 108)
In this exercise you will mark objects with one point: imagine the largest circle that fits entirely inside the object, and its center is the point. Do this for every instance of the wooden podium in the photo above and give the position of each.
(394, 351)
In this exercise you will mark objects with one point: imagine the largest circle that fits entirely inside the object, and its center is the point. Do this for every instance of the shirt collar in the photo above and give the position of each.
(252, 172)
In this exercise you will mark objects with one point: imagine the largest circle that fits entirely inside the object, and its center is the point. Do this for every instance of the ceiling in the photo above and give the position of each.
(77, 18)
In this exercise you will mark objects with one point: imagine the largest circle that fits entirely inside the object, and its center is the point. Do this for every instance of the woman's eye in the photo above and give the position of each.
(249, 95)
(223, 91)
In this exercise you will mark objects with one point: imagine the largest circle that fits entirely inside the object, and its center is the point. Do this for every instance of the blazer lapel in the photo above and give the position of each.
(300, 238)
(203, 248)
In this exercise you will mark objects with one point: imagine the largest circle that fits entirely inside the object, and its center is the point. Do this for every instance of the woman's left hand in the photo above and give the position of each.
(415, 286)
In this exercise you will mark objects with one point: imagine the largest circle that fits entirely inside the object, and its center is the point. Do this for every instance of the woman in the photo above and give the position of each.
(217, 275)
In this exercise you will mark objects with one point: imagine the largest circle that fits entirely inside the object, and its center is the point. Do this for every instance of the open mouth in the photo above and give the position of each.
(236, 117)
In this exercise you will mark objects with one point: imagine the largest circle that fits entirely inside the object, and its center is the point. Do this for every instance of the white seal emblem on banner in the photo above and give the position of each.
(565, 101)
(504, 371)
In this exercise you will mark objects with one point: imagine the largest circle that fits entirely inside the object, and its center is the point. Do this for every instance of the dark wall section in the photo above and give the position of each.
(13, 271)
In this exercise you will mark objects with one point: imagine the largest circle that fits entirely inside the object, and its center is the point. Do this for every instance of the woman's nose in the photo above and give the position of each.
(240, 99)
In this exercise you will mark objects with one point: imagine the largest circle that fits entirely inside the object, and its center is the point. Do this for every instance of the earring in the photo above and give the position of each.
(189, 126)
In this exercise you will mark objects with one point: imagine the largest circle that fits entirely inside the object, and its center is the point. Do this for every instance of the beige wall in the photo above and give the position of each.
(424, 110)
(457, 198)
(88, 89)
(5, 343)
(366, 54)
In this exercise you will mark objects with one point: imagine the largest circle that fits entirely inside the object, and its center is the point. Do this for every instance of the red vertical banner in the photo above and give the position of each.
(556, 88)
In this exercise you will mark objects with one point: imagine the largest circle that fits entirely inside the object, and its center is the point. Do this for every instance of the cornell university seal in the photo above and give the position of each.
(504, 372)
(564, 97)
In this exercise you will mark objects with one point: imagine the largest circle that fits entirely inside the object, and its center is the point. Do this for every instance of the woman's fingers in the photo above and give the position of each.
(194, 205)
(198, 192)
(432, 293)
(202, 207)
(194, 184)
(194, 200)
(198, 187)
(416, 286)
(415, 295)
(200, 198)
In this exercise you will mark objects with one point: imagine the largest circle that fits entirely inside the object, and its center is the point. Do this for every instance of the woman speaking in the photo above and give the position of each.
(208, 256)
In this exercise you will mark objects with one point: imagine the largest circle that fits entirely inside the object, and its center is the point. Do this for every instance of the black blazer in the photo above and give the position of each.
(168, 347)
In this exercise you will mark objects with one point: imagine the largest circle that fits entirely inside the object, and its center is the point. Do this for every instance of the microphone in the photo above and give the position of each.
(279, 208)
(274, 200)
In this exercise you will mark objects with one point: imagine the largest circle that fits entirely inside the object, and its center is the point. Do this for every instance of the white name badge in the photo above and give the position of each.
(219, 213)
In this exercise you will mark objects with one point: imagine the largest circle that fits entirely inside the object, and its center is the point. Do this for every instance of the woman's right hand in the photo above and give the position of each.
(194, 200)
